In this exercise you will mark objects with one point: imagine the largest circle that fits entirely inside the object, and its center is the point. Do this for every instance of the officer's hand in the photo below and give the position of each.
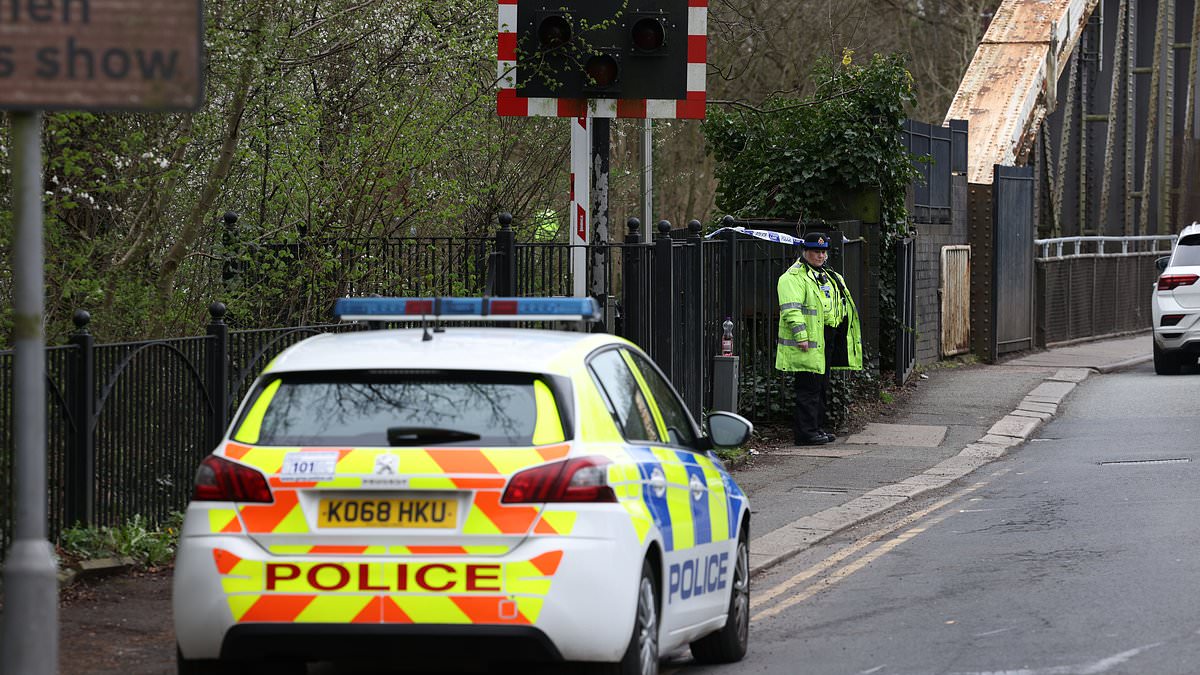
(802, 345)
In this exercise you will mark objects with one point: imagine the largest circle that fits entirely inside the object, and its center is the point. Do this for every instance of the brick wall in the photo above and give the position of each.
(931, 237)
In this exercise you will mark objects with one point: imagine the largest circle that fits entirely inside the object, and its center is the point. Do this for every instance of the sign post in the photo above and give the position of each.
(99, 55)
(30, 642)
(581, 216)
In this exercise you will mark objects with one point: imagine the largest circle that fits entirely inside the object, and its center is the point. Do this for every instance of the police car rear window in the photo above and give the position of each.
(380, 409)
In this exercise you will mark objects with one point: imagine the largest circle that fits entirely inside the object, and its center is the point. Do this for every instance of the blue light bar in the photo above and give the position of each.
(467, 309)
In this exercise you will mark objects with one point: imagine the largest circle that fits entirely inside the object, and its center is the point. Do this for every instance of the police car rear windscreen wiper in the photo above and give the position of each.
(398, 436)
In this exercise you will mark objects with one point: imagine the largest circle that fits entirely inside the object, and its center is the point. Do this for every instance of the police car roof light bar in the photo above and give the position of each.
(467, 309)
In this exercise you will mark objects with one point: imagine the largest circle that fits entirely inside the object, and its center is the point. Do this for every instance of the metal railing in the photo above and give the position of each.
(1101, 245)
(1085, 294)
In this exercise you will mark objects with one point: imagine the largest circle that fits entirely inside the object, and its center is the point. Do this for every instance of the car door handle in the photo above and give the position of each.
(697, 486)
(658, 482)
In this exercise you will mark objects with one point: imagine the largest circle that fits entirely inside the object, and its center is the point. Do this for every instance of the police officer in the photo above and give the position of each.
(818, 331)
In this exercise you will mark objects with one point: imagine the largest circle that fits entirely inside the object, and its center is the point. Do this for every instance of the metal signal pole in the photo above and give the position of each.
(30, 636)
(579, 218)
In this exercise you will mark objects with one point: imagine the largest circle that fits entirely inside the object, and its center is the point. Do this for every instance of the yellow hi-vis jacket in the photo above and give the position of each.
(803, 317)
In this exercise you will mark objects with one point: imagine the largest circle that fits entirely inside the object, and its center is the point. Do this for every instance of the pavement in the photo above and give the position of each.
(958, 419)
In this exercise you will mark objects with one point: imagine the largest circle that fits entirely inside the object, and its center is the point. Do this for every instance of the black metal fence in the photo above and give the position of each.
(906, 308)
(128, 423)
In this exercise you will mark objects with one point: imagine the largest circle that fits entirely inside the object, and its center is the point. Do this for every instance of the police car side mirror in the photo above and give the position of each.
(728, 430)
(1161, 263)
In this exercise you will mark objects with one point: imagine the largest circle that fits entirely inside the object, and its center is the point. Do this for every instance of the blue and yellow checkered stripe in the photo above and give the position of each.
(687, 522)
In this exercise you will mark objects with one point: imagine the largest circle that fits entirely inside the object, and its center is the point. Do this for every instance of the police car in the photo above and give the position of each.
(515, 494)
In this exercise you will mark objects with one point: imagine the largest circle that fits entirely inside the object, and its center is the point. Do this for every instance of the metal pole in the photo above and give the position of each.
(648, 180)
(601, 137)
(580, 218)
(30, 634)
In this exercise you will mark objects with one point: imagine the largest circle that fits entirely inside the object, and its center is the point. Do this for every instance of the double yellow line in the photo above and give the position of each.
(797, 594)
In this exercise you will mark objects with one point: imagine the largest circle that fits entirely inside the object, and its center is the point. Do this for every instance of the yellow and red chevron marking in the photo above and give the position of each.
(482, 470)
(304, 549)
(285, 515)
(225, 560)
(323, 592)
(489, 516)
(413, 461)
(468, 609)
(221, 521)
(555, 523)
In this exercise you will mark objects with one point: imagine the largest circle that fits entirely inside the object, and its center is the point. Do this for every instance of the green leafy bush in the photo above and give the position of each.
(798, 157)
(137, 539)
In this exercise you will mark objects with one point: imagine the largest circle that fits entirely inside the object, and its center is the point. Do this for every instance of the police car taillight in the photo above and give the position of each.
(583, 479)
(220, 480)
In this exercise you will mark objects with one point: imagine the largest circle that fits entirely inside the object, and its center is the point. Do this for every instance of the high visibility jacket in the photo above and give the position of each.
(805, 310)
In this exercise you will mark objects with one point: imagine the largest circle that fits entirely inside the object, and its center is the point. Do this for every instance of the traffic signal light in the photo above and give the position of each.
(620, 49)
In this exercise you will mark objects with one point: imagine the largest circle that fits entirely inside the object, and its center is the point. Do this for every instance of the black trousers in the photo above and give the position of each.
(812, 390)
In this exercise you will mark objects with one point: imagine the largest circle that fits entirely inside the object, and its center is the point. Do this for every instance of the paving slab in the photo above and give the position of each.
(1036, 406)
(1003, 441)
(1056, 391)
(853, 511)
(1032, 413)
(984, 450)
(786, 539)
(902, 489)
(1075, 375)
(1017, 427)
(957, 467)
(907, 435)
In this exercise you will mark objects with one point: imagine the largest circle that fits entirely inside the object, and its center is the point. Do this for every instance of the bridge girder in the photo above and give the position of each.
(1101, 97)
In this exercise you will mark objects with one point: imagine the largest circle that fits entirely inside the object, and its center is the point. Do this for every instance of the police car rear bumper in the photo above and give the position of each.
(413, 644)
(586, 614)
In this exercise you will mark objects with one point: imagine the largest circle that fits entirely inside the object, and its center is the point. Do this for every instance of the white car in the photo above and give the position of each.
(505, 493)
(1176, 305)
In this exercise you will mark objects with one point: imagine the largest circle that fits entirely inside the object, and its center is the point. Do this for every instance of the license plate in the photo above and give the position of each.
(402, 512)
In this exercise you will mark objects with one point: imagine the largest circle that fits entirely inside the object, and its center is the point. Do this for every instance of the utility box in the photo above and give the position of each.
(725, 383)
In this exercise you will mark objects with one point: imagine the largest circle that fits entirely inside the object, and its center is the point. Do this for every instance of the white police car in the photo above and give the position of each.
(520, 495)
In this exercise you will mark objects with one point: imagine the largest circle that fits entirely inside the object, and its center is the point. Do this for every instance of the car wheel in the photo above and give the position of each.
(641, 656)
(1165, 363)
(730, 643)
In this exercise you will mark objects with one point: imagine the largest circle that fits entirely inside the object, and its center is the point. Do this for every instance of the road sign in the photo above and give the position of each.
(101, 55)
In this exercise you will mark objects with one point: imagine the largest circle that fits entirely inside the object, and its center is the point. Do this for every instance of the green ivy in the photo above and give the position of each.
(796, 157)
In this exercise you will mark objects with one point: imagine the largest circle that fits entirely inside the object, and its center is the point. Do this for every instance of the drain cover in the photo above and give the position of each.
(1128, 462)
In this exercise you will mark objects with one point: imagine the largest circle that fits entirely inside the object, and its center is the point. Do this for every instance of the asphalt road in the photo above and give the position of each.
(1074, 554)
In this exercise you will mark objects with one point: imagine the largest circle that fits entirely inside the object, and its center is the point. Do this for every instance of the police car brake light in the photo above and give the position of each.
(583, 479)
(220, 480)
(467, 309)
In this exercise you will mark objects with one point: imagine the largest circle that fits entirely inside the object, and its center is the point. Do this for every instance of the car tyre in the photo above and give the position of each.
(641, 656)
(1165, 363)
(730, 643)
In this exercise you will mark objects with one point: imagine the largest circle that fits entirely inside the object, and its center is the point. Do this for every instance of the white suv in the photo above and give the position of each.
(1176, 305)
